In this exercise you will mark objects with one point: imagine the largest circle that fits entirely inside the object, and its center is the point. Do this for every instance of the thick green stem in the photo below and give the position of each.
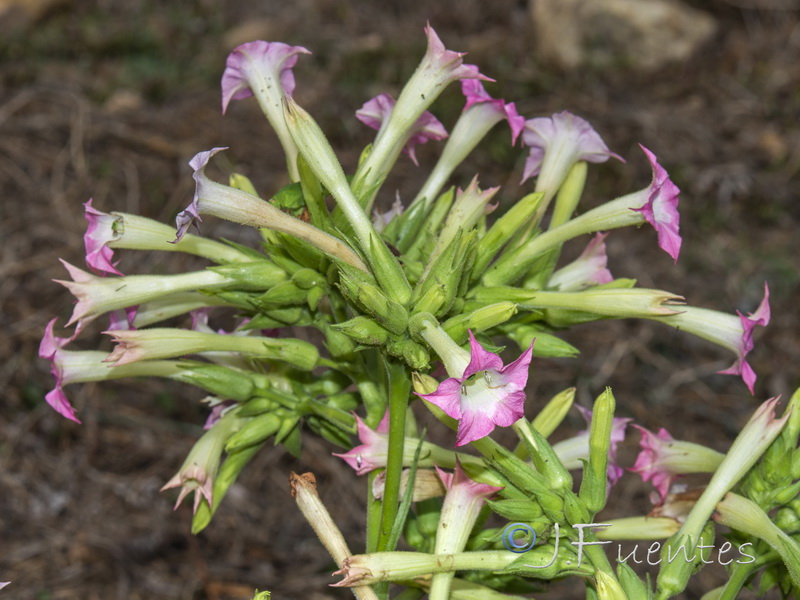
(399, 389)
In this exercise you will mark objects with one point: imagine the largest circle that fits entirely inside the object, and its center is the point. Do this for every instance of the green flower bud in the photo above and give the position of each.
(286, 293)
(544, 457)
(480, 319)
(595, 483)
(231, 384)
(254, 431)
(364, 330)
(242, 182)
(788, 521)
(259, 275)
(553, 413)
(288, 316)
(575, 510)
(423, 384)
(680, 559)
(432, 301)
(547, 345)
(608, 588)
(258, 406)
(516, 509)
(308, 278)
(415, 355)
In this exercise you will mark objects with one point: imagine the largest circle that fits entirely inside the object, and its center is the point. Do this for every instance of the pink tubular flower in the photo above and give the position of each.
(374, 449)
(589, 269)
(201, 465)
(448, 65)
(760, 317)
(648, 463)
(488, 394)
(49, 349)
(663, 458)
(376, 112)
(475, 94)
(251, 62)
(191, 214)
(729, 331)
(661, 209)
(574, 451)
(564, 137)
(99, 232)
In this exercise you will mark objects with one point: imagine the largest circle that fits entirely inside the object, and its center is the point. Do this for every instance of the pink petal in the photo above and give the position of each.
(516, 373)
(98, 233)
(473, 426)
(760, 317)
(57, 399)
(275, 58)
(191, 213)
(480, 359)
(661, 209)
(376, 112)
(447, 397)
(568, 134)
(475, 93)
(510, 410)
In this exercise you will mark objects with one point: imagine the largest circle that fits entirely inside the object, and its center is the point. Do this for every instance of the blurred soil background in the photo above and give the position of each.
(110, 99)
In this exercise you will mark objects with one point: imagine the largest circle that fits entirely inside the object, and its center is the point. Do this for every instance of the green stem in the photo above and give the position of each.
(399, 389)
(740, 574)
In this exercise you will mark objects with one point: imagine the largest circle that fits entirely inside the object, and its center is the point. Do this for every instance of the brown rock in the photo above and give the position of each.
(640, 34)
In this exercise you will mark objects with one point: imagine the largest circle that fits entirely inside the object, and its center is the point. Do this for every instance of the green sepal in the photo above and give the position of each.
(333, 434)
(280, 257)
(387, 270)
(290, 200)
(313, 196)
(415, 246)
(674, 575)
(294, 441)
(315, 296)
(406, 226)
(344, 401)
(536, 562)
(246, 250)
(634, 588)
(301, 251)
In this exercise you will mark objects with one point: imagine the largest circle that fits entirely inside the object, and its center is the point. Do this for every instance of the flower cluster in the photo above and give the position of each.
(393, 299)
